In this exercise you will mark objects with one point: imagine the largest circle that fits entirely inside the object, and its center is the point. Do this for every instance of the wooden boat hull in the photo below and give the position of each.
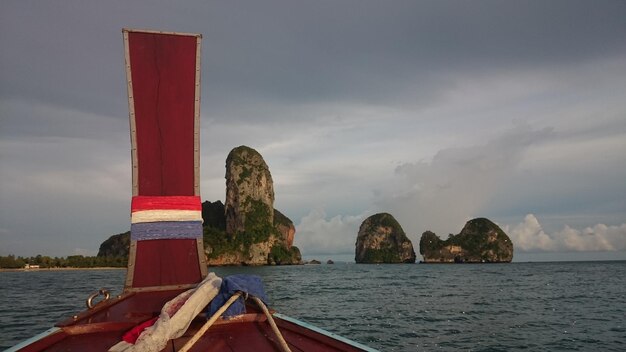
(100, 328)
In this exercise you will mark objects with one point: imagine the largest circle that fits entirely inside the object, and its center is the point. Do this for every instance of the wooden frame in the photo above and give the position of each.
(135, 161)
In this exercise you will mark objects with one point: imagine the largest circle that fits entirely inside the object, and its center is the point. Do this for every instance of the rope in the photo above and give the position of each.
(208, 324)
(281, 340)
(283, 344)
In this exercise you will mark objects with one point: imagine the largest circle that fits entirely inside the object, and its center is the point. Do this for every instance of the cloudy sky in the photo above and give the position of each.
(434, 111)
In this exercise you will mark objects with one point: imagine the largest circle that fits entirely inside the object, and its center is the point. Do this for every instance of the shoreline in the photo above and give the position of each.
(62, 269)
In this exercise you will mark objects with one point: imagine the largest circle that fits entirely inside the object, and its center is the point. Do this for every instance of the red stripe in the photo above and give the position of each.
(140, 203)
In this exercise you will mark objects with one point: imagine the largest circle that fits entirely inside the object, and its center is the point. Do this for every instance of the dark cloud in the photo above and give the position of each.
(374, 50)
(297, 52)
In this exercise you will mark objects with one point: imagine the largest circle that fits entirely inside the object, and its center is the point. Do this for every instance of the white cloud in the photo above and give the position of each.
(316, 234)
(457, 184)
(529, 236)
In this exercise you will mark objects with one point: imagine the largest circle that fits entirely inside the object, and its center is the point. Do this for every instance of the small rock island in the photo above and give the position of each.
(255, 233)
(480, 241)
(382, 240)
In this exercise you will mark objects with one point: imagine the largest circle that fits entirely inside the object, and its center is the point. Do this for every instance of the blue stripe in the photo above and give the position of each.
(166, 230)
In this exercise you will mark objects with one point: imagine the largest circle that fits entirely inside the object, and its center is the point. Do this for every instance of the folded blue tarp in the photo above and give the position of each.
(248, 284)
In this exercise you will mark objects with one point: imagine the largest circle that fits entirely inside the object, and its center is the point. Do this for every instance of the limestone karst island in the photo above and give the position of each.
(382, 240)
(480, 241)
(246, 230)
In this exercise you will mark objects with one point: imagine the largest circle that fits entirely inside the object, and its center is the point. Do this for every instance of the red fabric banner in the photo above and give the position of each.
(163, 70)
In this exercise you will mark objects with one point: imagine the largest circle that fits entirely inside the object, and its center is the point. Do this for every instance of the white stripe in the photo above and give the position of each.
(165, 215)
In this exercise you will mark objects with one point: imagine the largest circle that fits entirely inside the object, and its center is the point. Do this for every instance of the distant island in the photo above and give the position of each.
(73, 261)
(480, 241)
(381, 239)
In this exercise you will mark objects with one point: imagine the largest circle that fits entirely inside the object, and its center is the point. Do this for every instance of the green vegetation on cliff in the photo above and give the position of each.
(258, 229)
(258, 226)
(115, 246)
(218, 242)
(280, 254)
(281, 219)
(385, 220)
(237, 155)
(213, 215)
(430, 242)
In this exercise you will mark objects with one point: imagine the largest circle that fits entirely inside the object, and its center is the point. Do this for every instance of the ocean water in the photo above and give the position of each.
(571, 306)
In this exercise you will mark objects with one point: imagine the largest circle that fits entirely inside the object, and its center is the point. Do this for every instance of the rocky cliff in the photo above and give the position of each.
(285, 228)
(382, 240)
(480, 241)
(115, 246)
(249, 191)
(254, 232)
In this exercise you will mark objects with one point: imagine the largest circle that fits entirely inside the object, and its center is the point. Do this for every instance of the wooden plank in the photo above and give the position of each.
(163, 82)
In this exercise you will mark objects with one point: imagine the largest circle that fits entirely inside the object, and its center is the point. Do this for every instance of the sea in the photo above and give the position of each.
(558, 306)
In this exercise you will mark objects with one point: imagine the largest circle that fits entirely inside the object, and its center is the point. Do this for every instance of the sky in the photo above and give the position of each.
(436, 112)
